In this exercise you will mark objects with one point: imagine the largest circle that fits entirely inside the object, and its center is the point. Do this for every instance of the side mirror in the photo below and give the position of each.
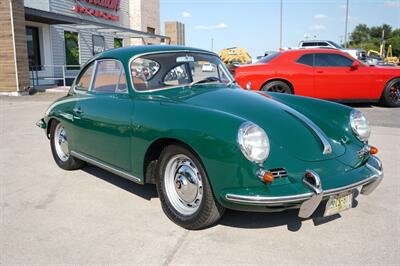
(355, 65)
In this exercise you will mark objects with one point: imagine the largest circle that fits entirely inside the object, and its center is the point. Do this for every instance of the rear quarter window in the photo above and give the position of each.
(306, 59)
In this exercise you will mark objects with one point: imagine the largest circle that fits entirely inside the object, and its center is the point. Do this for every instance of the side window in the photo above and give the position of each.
(107, 76)
(322, 44)
(306, 59)
(143, 70)
(122, 87)
(177, 76)
(83, 82)
(332, 60)
(309, 44)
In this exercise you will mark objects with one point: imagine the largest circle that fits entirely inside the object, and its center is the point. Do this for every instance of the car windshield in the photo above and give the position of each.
(335, 44)
(269, 57)
(168, 70)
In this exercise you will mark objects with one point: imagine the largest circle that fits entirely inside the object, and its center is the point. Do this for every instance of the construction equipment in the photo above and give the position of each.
(387, 58)
(235, 55)
(390, 59)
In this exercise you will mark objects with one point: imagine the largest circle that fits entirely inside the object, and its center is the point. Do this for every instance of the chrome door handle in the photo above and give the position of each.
(77, 110)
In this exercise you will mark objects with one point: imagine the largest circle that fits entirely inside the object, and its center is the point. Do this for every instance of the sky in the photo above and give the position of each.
(254, 24)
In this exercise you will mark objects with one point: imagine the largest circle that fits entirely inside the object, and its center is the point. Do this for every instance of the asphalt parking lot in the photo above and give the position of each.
(89, 216)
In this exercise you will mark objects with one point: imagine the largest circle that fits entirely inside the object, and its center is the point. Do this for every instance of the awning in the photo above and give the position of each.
(42, 16)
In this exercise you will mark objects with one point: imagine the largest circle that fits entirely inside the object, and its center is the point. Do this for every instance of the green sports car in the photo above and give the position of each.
(152, 115)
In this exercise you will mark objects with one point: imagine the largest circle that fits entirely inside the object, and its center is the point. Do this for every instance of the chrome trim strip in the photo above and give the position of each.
(106, 167)
(327, 148)
(260, 200)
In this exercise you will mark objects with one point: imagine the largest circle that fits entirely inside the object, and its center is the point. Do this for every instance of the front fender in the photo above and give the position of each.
(211, 134)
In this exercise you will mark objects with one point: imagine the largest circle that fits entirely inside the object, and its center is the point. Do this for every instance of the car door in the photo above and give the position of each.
(303, 75)
(104, 117)
(335, 78)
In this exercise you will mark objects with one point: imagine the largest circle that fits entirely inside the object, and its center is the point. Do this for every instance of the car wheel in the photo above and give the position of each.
(391, 93)
(60, 148)
(185, 193)
(277, 86)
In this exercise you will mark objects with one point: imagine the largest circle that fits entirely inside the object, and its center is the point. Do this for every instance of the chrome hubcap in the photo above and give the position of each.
(183, 184)
(61, 143)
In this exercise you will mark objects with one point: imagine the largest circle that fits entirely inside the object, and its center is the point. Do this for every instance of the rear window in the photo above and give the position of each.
(306, 59)
(269, 57)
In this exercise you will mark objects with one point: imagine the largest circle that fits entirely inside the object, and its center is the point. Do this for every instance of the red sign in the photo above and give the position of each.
(109, 4)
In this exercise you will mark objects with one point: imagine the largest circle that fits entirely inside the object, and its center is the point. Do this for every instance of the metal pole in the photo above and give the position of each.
(37, 76)
(280, 26)
(63, 71)
(347, 21)
(212, 44)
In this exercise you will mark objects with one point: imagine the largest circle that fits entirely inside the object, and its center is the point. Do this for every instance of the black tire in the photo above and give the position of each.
(277, 86)
(71, 163)
(208, 211)
(391, 93)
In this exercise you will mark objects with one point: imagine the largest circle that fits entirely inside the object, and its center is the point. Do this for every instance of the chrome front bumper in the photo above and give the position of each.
(310, 201)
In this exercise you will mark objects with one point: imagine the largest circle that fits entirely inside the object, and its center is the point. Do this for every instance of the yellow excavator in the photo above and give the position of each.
(235, 55)
(389, 58)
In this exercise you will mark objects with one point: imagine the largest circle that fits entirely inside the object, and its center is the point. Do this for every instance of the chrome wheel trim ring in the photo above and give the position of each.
(61, 143)
(183, 184)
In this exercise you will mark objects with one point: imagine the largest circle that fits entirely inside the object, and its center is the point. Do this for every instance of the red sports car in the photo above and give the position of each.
(322, 73)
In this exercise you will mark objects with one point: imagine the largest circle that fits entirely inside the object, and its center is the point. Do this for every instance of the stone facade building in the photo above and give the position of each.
(45, 42)
(176, 31)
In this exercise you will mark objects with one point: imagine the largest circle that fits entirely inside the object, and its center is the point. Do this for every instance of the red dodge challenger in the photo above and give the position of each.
(322, 73)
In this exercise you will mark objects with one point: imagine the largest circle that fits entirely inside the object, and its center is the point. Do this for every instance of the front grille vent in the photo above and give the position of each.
(279, 172)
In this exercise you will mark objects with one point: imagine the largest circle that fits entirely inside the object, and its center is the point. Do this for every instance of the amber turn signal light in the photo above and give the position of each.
(268, 177)
(373, 150)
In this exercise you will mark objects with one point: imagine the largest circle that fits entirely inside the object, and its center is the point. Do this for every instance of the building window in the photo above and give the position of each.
(98, 44)
(71, 49)
(151, 30)
(32, 37)
(118, 42)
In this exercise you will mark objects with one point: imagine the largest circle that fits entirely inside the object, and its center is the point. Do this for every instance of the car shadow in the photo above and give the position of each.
(146, 192)
(231, 218)
(288, 218)
(258, 220)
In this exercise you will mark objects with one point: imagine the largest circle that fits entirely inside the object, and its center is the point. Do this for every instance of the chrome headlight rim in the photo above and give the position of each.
(243, 130)
(354, 115)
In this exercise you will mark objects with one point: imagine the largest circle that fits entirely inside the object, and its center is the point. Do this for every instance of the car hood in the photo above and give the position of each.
(390, 70)
(286, 131)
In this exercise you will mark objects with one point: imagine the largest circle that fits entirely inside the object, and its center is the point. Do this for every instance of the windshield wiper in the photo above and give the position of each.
(208, 79)
(230, 83)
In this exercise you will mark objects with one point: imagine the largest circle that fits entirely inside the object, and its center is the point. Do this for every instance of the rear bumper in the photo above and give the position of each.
(310, 201)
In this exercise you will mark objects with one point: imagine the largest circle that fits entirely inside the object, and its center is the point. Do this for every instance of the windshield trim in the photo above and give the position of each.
(165, 52)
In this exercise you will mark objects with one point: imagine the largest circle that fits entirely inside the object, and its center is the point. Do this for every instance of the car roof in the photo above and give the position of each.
(316, 41)
(125, 53)
(313, 50)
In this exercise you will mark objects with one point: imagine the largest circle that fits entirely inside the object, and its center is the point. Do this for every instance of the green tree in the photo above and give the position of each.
(370, 38)
(360, 34)
(376, 32)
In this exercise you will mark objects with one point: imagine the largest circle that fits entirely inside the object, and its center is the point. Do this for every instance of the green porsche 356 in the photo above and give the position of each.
(152, 114)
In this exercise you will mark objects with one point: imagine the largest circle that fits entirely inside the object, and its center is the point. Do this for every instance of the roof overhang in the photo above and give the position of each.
(46, 17)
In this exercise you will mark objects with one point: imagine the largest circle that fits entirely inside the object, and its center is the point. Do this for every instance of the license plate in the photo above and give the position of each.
(339, 203)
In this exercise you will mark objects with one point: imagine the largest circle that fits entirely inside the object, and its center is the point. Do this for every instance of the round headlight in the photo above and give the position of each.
(359, 125)
(253, 142)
